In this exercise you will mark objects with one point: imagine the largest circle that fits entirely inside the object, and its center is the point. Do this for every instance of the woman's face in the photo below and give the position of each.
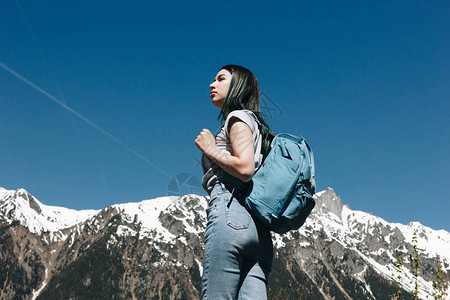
(219, 87)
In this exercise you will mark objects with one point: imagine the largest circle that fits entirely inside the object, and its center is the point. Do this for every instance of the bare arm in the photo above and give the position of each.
(240, 165)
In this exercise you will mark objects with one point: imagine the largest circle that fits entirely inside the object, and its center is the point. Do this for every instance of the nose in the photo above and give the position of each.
(212, 85)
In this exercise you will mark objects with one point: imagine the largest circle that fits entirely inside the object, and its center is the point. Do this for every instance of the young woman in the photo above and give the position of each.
(238, 249)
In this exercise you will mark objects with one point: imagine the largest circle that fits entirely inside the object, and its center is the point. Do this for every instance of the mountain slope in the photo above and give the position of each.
(153, 250)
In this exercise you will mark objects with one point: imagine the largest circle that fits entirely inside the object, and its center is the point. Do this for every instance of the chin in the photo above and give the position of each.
(217, 104)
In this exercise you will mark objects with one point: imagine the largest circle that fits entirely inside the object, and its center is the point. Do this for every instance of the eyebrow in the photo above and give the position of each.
(218, 76)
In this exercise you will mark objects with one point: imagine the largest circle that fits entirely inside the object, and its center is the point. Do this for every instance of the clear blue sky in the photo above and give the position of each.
(367, 83)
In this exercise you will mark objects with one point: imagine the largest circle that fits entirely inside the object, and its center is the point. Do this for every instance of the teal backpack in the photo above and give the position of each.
(282, 189)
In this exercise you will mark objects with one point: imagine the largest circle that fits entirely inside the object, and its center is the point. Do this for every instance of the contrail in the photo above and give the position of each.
(51, 97)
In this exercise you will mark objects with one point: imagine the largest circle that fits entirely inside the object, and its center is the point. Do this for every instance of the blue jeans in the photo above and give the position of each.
(238, 249)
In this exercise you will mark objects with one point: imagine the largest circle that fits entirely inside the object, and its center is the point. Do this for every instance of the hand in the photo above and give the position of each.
(205, 141)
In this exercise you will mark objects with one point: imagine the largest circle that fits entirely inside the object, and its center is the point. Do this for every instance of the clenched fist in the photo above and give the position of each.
(205, 141)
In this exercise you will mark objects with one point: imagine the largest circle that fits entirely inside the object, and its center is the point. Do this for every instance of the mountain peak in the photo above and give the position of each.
(337, 253)
(328, 202)
(19, 205)
(32, 202)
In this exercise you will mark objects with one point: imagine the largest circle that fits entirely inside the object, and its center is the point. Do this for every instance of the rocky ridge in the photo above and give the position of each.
(153, 250)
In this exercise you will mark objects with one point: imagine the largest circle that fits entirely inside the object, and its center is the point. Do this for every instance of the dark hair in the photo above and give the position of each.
(244, 94)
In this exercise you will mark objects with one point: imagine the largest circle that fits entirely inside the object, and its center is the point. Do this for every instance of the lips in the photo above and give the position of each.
(212, 93)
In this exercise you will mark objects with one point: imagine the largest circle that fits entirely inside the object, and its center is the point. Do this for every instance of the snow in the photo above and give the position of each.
(407, 279)
(125, 231)
(360, 275)
(17, 205)
(387, 238)
(183, 240)
(318, 194)
(36, 293)
(378, 252)
(278, 241)
(429, 241)
(146, 213)
(351, 229)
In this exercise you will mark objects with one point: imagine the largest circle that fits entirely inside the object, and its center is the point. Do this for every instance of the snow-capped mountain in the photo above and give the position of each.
(20, 206)
(153, 250)
(373, 243)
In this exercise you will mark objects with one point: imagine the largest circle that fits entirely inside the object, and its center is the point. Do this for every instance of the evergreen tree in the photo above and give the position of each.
(415, 264)
(397, 278)
(440, 285)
